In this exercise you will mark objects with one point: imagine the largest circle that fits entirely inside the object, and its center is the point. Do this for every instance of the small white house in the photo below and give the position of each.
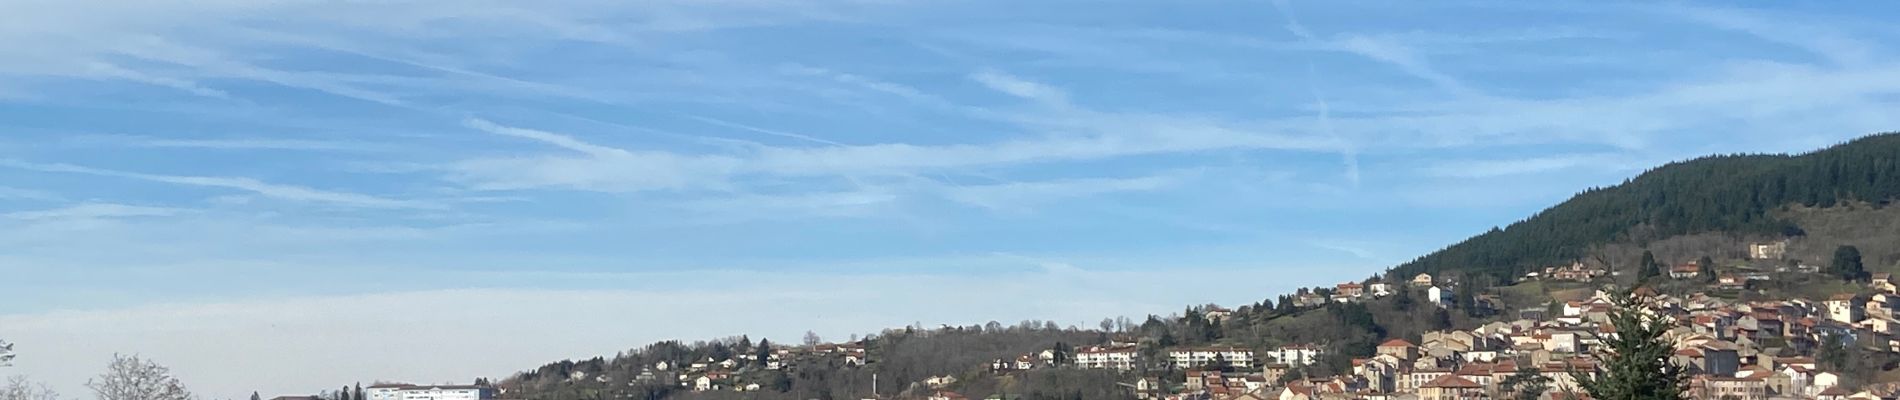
(1438, 296)
(1380, 289)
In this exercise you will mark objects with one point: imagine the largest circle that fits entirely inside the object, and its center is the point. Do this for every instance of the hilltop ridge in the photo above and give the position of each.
(1730, 194)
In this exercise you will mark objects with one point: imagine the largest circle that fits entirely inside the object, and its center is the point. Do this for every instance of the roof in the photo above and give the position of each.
(1397, 343)
(1837, 390)
(1452, 382)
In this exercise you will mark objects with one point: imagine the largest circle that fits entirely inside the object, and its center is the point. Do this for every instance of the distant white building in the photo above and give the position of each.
(1195, 357)
(1380, 289)
(1296, 354)
(1116, 358)
(385, 391)
(1768, 251)
(429, 392)
(1438, 296)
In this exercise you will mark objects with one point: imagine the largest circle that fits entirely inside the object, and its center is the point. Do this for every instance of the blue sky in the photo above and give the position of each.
(269, 196)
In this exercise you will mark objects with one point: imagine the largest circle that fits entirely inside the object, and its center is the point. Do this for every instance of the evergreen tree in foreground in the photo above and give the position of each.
(1635, 358)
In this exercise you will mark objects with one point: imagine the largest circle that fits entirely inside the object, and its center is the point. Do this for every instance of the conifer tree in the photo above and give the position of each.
(1649, 268)
(1635, 358)
(1706, 267)
(1526, 384)
(1847, 263)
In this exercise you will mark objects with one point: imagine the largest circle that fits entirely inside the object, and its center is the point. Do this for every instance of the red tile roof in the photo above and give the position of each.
(1452, 382)
(1397, 343)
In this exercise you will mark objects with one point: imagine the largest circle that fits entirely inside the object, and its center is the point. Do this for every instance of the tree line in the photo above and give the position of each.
(1728, 193)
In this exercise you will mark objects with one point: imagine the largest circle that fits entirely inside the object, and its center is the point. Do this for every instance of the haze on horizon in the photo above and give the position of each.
(284, 197)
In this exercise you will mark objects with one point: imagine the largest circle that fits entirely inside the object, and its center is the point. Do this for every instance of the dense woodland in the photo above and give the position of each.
(1736, 194)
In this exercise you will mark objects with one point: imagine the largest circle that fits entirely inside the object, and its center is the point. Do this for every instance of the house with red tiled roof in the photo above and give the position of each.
(1833, 393)
(1685, 271)
(1723, 387)
(1296, 391)
(1451, 387)
(1400, 348)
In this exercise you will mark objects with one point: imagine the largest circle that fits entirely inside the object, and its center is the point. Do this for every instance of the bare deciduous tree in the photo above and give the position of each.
(6, 353)
(133, 378)
(19, 388)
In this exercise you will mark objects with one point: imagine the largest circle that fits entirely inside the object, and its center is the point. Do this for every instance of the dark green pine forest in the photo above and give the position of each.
(1735, 194)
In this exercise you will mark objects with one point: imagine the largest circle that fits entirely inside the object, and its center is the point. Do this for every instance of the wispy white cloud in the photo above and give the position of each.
(266, 189)
(613, 169)
(603, 168)
(558, 140)
(773, 132)
(1019, 87)
(88, 211)
(1023, 196)
(1824, 41)
(105, 70)
(224, 143)
(7, 192)
(1488, 168)
(1355, 249)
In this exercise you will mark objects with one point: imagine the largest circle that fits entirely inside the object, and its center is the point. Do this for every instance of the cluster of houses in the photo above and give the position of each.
(709, 375)
(1736, 350)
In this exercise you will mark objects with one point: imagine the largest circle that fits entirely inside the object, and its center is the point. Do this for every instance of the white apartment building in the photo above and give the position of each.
(1296, 354)
(400, 391)
(1117, 358)
(385, 391)
(448, 392)
(1194, 357)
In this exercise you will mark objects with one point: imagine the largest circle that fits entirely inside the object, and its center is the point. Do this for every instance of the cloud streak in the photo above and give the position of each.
(266, 189)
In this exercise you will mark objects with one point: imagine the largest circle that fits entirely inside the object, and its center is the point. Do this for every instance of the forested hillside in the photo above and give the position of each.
(1736, 194)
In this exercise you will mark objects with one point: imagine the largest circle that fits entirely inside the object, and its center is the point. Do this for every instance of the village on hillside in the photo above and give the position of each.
(1734, 349)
